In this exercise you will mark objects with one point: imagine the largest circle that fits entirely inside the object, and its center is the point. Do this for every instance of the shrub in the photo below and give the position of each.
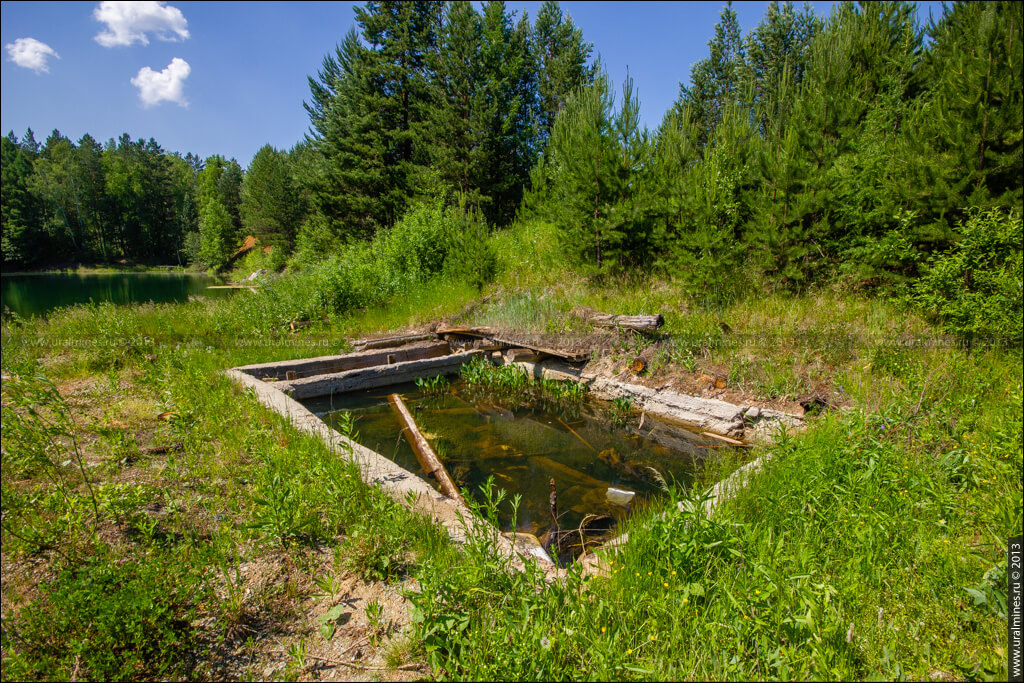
(974, 289)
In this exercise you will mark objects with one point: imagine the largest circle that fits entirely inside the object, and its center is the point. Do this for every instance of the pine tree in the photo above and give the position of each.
(776, 60)
(509, 111)
(345, 174)
(457, 144)
(968, 132)
(717, 81)
(403, 40)
(269, 204)
(563, 64)
(216, 230)
(594, 163)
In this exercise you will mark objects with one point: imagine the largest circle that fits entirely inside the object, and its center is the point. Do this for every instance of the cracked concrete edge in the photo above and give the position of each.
(401, 485)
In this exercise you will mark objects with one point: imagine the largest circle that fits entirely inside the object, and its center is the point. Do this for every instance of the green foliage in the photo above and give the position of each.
(588, 182)
(471, 257)
(974, 289)
(433, 386)
(269, 205)
(512, 386)
(107, 620)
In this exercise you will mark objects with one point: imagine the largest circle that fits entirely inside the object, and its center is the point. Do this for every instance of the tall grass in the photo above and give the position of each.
(873, 545)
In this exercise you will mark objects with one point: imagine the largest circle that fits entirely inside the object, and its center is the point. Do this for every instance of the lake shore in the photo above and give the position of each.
(102, 268)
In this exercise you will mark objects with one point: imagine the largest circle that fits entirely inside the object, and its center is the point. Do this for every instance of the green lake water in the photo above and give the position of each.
(33, 294)
(524, 447)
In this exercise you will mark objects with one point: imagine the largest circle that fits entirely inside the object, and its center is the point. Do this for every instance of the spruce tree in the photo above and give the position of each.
(21, 240)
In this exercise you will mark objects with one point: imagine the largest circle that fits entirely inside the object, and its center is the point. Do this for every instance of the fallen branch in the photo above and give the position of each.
(637, 323)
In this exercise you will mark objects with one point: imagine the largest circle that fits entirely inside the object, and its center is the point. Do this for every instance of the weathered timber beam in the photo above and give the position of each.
(489, 333)
(429, 461)
(376, 376)
(468, 331)
(521, 355)
(350, 361)
(389, 342)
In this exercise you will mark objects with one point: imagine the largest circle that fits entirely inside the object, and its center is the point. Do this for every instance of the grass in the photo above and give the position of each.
(159, 523)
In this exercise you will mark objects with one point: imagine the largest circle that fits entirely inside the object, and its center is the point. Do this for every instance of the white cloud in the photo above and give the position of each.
(129, 22)
(163, 86)
(31, 54)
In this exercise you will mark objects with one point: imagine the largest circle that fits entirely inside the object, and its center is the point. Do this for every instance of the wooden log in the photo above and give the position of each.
(468, 331)
(389, 342)
(639, 323)
(725, 439)
(376, 376)
(350, 361)
(429, 461)
(570, 356)
(521, 356)
(564, 472)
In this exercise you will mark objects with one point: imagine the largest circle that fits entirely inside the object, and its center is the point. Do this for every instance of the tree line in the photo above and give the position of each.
(419, 99)
(855, 146)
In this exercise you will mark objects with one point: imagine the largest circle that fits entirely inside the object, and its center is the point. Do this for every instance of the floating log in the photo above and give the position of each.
(638, 323)
(349, 361)
(389, 342)
(429, 461)
(565, 473)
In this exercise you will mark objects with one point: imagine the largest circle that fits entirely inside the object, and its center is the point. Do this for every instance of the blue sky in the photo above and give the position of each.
(229, 77)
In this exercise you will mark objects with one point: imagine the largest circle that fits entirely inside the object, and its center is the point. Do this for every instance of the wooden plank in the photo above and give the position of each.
(309, 367)
(487, 332)
(389, 342)
(375, 376)
(468, 331)
(429, 461)
(570, 356)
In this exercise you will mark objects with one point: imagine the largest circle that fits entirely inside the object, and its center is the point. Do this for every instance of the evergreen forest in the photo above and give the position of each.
(861, 147)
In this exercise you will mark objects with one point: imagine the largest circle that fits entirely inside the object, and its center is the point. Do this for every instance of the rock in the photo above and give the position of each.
(529, 544)
(620, 497)
(752, 414)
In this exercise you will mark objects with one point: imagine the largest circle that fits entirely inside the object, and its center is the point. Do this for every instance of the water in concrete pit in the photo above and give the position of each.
(524, 446)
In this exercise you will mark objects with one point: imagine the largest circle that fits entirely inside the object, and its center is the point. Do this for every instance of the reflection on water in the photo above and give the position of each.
(523, 447)
(30, 294)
